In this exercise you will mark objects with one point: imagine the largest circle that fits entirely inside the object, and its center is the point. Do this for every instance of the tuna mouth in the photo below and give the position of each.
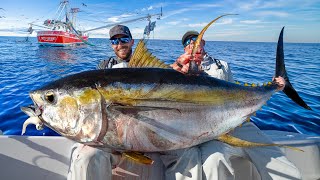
(32, 110)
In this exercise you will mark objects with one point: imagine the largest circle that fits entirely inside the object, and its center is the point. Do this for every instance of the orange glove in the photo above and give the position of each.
(182, 63)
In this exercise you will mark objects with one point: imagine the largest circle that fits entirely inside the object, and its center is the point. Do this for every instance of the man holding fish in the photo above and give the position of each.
(212, 159)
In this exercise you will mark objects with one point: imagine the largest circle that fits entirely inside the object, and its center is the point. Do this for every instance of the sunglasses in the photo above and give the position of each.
(188, 40)
(116, 41)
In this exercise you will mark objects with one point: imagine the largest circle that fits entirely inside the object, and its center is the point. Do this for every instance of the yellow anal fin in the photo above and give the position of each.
(248, 119)
(233, 141)
(138, 157)
(143, 58)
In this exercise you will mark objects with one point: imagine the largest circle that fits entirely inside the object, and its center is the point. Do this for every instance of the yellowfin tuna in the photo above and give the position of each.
(149, 109)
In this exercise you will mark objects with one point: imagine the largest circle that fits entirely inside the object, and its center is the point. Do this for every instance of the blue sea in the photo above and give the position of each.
(26, 66)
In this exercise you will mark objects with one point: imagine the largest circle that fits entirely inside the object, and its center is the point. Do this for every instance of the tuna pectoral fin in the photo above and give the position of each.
(137, 109)
(138, 157)
(233, 141)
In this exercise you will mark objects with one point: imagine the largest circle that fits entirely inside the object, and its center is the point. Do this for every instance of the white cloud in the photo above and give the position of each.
(193, 7)
(173, 22)
(113, 19)
(197, 25)
(206, 5)
(175, 12)
(249, 6)
(147, 9)
(227, 34)
(225, 21)
(116, 19)
(250, 21)
(273, 13)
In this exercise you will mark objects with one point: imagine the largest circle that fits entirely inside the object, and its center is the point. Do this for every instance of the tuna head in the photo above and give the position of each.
(74, 113)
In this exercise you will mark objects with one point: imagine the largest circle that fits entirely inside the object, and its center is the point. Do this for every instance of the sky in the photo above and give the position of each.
(257, 21)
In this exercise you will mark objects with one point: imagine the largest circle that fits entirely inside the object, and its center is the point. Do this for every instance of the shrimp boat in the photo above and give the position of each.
(61, 30)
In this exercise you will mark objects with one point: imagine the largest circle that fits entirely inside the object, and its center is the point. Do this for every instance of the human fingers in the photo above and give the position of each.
(280, 81)
(184, 59)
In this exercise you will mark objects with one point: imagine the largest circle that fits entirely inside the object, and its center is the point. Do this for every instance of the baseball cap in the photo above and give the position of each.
(120, 29)
(187, 34)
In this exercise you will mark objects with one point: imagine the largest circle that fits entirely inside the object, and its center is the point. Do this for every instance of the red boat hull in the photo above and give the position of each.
(59, 38)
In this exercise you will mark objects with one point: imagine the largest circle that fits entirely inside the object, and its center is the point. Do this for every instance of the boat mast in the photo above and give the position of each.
(74, 12)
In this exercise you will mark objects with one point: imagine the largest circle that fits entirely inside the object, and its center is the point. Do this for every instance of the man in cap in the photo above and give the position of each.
(214, 67)
(214, 159)
(121, 43)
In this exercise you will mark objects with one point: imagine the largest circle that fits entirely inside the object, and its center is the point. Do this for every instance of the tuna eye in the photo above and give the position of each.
(49, 96)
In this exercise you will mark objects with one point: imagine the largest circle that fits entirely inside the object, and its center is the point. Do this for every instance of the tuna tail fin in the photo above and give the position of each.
(281, 71)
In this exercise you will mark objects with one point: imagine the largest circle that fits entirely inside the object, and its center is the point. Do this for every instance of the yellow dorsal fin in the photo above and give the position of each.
(138, 157)
(143, 58)
(197, 43)
(253, 85)
(233, 141)
(246, 84)
(237, 82)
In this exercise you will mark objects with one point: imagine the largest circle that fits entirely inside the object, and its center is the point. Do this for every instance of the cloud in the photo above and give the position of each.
(147, 9)
(113, 19)
(182, 20)
(197, 25)
(173, 22)
(250, 21)
(206, 5)
(203, 24)
(116, 19)
(192, 7)
(225, 21)
(175, 12)
(273, 13)
(227, 34)
(249, 6)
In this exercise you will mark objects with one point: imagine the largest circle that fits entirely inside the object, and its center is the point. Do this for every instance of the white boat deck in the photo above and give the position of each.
(49, 157)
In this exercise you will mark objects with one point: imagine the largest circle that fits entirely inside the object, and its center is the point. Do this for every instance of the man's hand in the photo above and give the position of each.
(182, 63)
(280, 82)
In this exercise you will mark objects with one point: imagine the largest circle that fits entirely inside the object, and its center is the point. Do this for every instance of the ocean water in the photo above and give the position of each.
(26, 66)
